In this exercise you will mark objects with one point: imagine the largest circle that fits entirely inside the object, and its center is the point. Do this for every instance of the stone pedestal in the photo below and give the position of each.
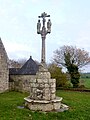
(42, 93)
(43, 105)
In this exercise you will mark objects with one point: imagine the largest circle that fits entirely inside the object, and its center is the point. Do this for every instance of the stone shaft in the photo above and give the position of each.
(43, 33)
(43, 51)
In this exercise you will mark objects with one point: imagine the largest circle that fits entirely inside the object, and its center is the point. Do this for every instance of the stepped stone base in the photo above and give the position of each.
(42, 93)
(43, 105)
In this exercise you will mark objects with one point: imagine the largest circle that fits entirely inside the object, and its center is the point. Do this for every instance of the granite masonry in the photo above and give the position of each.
(20, 79)
(43, 89)
(4, 71)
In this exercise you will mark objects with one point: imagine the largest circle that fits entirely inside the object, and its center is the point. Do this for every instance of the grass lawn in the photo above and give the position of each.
(86, 82)
(78, 102)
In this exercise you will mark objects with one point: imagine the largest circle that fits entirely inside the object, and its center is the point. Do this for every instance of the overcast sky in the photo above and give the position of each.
(18, 23)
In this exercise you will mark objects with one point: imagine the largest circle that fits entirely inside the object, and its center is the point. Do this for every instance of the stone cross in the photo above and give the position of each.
(43, 33)
(42, 87)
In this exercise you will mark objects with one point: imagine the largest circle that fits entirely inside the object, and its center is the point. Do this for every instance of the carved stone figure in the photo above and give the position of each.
(49, 26)
(38, 27)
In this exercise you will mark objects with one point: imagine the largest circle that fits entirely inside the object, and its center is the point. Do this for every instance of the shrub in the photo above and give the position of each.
(56, 72)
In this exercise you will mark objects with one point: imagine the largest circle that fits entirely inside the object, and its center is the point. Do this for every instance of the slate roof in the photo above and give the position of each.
(29, 68)
(13, 71)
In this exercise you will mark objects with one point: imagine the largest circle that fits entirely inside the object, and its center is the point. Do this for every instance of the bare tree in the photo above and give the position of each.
(80, 57)
(72, 58)
(13, 64)
(16, 63)
(22, 61)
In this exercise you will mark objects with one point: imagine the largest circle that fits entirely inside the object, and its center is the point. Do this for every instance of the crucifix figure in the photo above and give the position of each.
(43, 31)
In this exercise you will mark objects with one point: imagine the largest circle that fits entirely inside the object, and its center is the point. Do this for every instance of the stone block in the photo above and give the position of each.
(52, 80)
(52, 85)
(39, 80)
(36, 85)
(45, 81)
(47, 96)
(57, 99)
(53, 90)
(56, 106)
(33, 85)
(34, 90)
(42, 85)
(52, 96)
(43, 75)
(33, 107)
(33, 80)
(47, 91)
(48, 107)
(47, 85)
(40, 107)
(45, 105)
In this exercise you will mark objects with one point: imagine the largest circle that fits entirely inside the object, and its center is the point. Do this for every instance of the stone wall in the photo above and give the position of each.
(43, 89)
(4, 71)
(21, 83)
(38, 88)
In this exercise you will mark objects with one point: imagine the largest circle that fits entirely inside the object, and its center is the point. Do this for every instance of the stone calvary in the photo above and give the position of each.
(43, 88)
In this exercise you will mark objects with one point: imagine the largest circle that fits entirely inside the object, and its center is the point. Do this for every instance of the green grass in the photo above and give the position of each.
(78, 102)
(86, 82)
(86, 78)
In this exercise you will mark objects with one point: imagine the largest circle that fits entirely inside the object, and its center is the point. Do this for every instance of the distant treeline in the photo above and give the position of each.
(85, 75)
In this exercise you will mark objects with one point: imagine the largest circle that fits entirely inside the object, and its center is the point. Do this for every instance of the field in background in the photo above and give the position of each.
(78, 102)
(86, 82)
(85, 79)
